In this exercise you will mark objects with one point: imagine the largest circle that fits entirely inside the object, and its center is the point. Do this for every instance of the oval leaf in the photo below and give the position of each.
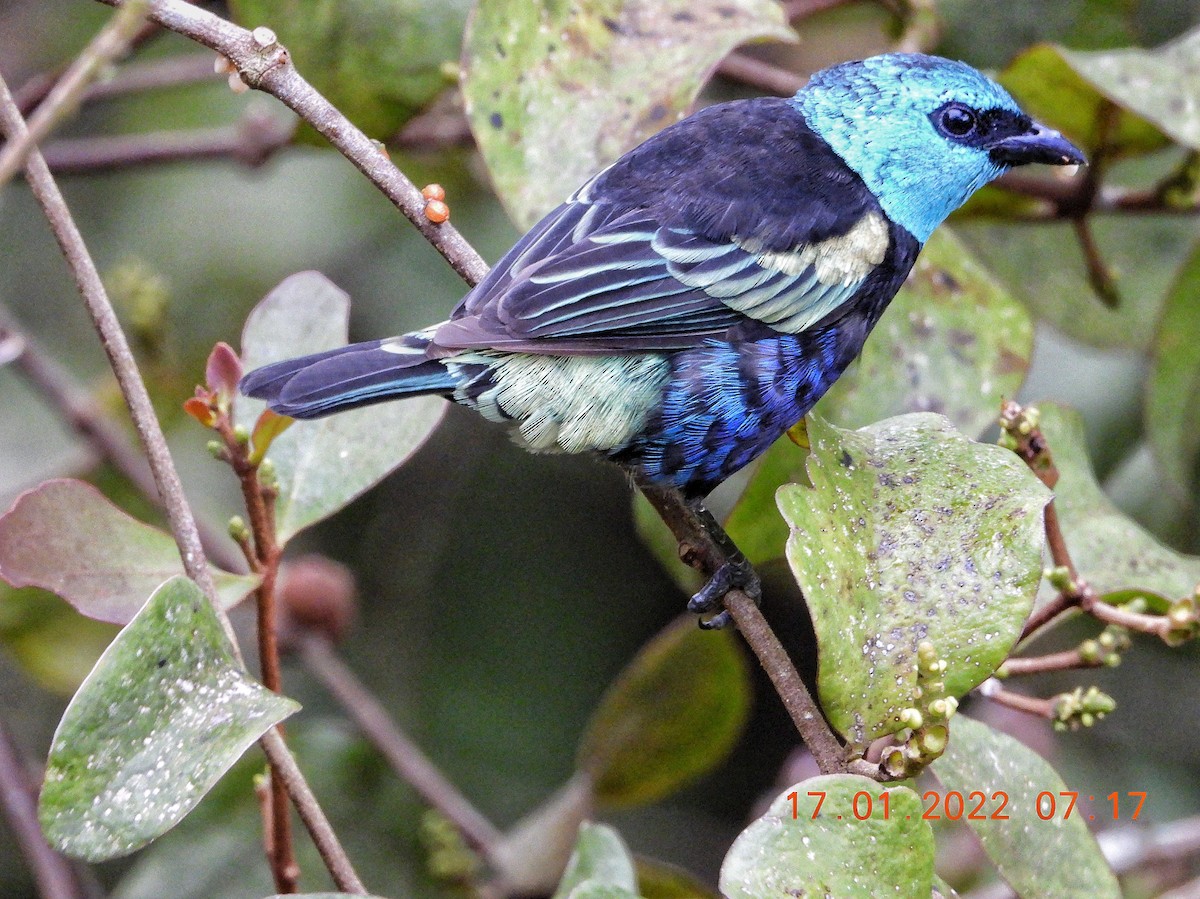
(910, 532)
(600, 857)
(322, 465)
(1173, 389)
(953, 341)
(789, 851)
(673, 714)
(378, 61)
(1029, 851)
(65, 536)
(556, 91)
(165, 712)
(1116, 555)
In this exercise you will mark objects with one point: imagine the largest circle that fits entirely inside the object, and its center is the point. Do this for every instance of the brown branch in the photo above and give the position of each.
(401, 753)
(51, 872)
(1033, 705)
(133, 77)
(1056, 661)
(251, 142)
(702, 552)
(166, 478)
(761, 75)
(265, 65)
(112, 42)
(802, 9)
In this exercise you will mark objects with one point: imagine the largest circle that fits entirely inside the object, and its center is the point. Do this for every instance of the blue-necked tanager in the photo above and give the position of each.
(692, 301)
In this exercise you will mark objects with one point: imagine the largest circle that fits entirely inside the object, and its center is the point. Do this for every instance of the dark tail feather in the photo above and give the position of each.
(345, 378)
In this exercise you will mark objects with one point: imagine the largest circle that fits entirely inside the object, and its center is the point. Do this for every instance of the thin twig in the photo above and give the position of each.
(112, 42)
(251, 142)
(265, 65)
(51, 872)
(801, 9)
(401, 753)
(1056, 661)
(1034, 705)
(759, 74)
(166, 478)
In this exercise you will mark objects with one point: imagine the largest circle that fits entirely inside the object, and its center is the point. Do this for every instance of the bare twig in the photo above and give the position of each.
(112, 42)
(265, 65)
(251, 142)
(1055, 661)
(51, 872)
(759, 74)
(166, 478)
(1034, 705)
(401, 753)
(132, 77)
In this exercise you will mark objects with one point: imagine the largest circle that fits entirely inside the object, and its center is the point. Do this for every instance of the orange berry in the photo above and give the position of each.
(433, 192)
(437, 211)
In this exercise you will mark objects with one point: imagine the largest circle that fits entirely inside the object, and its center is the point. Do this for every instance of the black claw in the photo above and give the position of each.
(736, 574)
(721, 620)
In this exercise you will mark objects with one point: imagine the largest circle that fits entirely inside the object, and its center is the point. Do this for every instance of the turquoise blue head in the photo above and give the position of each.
(923, 132)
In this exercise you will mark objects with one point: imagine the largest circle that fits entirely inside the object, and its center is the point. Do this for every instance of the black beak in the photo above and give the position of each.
(1038, 144)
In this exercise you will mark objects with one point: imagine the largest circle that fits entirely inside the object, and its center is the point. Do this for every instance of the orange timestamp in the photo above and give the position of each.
(977, 805)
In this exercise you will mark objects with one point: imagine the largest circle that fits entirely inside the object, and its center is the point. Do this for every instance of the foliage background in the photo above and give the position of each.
(500, 593)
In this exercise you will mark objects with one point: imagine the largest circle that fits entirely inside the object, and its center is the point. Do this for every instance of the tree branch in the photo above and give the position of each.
(112, 41)
(265, 65)
(401, 753)
(166, 478)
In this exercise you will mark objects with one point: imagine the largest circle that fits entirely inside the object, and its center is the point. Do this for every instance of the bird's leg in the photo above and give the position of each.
(733, 573)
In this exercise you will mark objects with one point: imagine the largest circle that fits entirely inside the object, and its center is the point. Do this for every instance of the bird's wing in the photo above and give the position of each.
(737, 216)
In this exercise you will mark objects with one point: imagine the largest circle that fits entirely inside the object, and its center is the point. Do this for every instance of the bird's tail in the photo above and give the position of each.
(350, 376)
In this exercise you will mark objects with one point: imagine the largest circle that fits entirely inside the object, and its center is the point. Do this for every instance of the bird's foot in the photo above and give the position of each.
(736, 574)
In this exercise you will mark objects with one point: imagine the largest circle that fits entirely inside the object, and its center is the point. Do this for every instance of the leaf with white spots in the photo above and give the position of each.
(67, 537)
(834, 835)
(165, 712)
(1041, 858)
(910, 532)
(322, 465)
(557, 91)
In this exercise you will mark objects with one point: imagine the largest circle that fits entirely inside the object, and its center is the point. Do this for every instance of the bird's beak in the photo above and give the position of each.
(1038, 144)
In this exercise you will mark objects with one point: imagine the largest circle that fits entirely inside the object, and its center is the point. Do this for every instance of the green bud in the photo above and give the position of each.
(1089, 650)
(933, 741)
(1087, 719)
(238, 529)
(216, 449)
(911, 718)
(241, 435)
(1112, 660)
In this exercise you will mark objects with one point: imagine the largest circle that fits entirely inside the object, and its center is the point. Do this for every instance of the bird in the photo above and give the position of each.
(693, 300)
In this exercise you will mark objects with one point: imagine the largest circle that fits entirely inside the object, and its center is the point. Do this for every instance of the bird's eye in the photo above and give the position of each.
(958, 120)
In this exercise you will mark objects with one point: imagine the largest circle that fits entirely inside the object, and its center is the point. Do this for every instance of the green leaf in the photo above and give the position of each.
(1161, 85)
(600, 857)
(322, 465)
(1056, 858)
(673, 714)
(1173, 388)
(378, 61)
(1049, 84)
(660, 880)
(556, 91)
(1115, 554)
(53, 644)
(754, 524)
(67, 537)
(889, 852)
(165, 712)
(953, 342)
(910, 532)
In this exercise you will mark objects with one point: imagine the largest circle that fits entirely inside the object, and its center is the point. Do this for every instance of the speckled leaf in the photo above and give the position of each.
(1049, 84)
(378, 61)
(323, 464)
(1028, 851)
(672, 714)
(886, 853)
(910, 532)
(67, 537)
(600, 857)
(162, 716)
(1173, 388)
(1116, 554)
(953, 341)
(1161, 85)
(556, 91)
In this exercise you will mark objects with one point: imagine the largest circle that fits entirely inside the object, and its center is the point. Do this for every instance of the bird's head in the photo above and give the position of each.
(923, 132)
